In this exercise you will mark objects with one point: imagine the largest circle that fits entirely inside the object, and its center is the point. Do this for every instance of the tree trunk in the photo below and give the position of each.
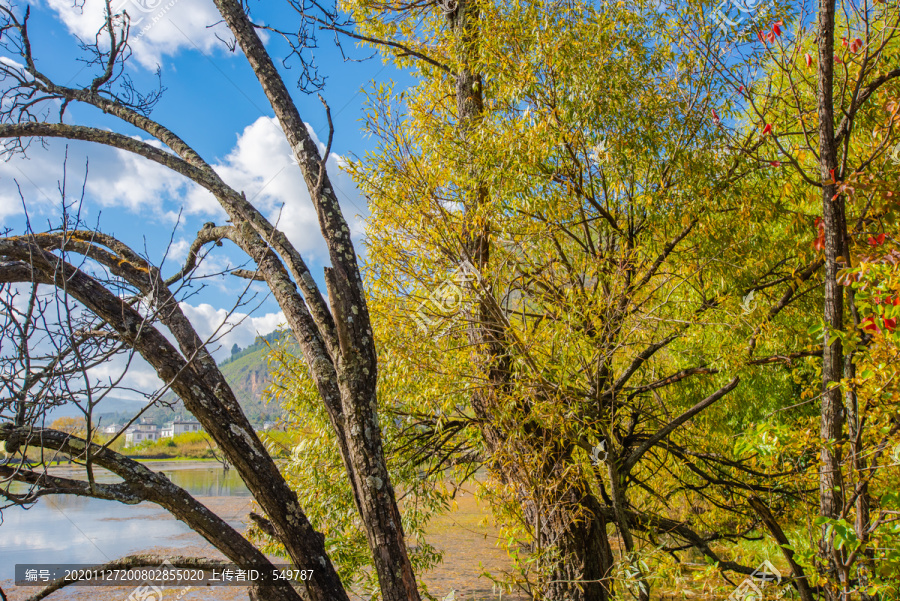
(337, 342)
(832, 416)
(575, 526)
(354, 359)
(205, 394)
(577, 529)
(566, 520)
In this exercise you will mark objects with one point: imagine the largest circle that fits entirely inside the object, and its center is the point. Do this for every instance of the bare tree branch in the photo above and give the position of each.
(663, 432)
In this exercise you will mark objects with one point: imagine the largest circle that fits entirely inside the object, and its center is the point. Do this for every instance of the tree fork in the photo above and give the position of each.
(584, 541)
(355, 359)
(231, 431)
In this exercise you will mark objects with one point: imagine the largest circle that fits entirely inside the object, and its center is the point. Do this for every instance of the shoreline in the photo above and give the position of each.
(181, 463)
(465, 535)
(233, 509)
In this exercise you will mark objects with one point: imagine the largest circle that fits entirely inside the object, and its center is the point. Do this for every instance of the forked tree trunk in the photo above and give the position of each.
(337, 341)
(574, 527)
(353, 357)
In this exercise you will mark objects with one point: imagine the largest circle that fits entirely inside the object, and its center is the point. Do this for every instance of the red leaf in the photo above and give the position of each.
(855, 45)
(819, 241)
(715, 116)
(831, 171)
(869, 325)
(843, 41)
(890, 323)
(876, 240)
(837, 59)
(775, 163)
(880, 238)
(767, 129)
(770, 36)
(741, 89)
(759, 34)
(776, 28)
(808, 60)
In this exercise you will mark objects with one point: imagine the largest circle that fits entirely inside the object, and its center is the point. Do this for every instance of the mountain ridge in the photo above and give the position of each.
(246, 371)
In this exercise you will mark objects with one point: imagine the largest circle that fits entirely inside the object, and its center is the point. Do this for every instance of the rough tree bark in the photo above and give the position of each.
(355, 359)
(574, 525)
(832, 410)
(215, 408)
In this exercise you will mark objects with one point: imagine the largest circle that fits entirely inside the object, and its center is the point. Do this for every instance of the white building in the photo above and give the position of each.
(138, 433)
(180, 426)
(112, 429)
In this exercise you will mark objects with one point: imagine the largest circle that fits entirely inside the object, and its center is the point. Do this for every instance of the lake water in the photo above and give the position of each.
(77, 530)
(68, 529)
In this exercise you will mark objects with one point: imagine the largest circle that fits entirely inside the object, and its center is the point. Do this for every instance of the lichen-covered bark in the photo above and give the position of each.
(336, 341)
(354, 357)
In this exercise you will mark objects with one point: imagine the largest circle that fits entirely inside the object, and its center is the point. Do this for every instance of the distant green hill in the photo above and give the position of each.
(247, 372)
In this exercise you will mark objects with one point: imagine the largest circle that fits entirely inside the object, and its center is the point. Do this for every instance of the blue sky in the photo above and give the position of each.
(212, 101)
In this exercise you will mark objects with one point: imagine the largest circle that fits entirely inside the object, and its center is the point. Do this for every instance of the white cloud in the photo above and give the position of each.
(115, 178)
(132, 374)
(10, 205)
(32, 177)
(178, 250)
(14, 64)
(209, 322)
(262, 166)
(134, 183)
(228, 330)
(158, 27)
(139, 375)
(135, 374)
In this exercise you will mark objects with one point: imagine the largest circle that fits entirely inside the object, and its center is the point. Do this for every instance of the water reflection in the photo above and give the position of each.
(211, 482)
(65, 528)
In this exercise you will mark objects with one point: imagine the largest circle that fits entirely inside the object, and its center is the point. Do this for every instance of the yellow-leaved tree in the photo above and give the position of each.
(580, 288)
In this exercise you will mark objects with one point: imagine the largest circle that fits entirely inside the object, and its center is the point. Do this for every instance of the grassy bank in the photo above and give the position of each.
(199, 445)
(190, 446)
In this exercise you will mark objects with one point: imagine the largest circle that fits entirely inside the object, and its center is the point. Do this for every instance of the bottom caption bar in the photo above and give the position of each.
(165, 575)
